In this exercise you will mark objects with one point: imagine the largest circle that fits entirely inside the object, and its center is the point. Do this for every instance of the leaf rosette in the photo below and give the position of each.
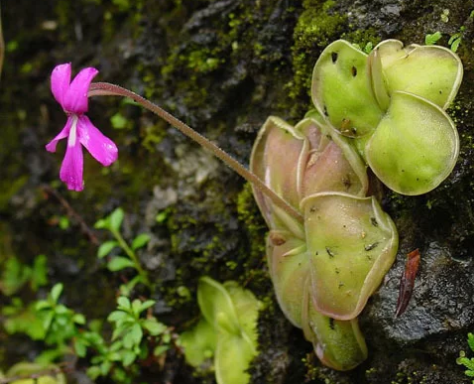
(391, 104)
(309, 165)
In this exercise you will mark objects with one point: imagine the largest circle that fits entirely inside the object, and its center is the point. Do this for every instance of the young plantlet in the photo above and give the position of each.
(227, 331)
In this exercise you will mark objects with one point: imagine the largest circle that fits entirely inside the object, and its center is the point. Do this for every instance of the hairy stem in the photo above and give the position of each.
(107, 89)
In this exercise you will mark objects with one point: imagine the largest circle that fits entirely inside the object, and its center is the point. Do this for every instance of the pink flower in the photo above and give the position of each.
(78, 129)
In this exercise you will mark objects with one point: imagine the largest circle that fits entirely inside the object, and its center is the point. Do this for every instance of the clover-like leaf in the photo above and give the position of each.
(415, 146)
(351, 244)
(431, 72)
(341, 90)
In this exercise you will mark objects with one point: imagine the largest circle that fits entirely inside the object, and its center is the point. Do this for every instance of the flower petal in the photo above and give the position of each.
(99, 146)
(72, 168)
(51, 146)
(60, 79)
(76, 99)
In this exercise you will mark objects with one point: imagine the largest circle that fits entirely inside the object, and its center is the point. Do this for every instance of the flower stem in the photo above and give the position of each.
(131, 254)
(107, 89)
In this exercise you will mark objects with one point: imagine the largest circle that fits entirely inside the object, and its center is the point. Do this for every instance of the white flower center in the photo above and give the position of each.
(71, 141)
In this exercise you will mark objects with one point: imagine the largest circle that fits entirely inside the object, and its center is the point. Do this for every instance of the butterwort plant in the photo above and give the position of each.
(330, 243)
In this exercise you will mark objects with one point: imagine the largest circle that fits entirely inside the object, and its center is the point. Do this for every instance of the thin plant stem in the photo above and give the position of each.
(131, 254)
(107, 89)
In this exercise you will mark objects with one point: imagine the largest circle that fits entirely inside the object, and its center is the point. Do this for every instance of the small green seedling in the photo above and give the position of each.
(467, 362)
(131, 328)
(431, 39)
(16, 275)
(227, 330)
(113, 223)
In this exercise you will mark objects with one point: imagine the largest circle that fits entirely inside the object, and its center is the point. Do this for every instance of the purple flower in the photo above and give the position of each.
(78, 129)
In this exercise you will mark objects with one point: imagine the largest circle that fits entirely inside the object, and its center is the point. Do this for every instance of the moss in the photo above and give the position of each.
(252, 220)
(365, 39)
(317, 26)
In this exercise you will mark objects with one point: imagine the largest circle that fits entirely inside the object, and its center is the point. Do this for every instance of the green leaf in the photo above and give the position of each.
(39, 273)
(25, 320)
(56, 292)
(105, 248)
(42, 304)
(136, 334)
(369, 240)
(199, 343)
(431, 39)
(80, 347)
(470, 337)
(338, 344)
(147, 304)
(118, 263)
(162, 216)
(216, 305)
(124, 302)
(153, 326)
(160, 349)
(127, 340)
(116, 218)
(93, 372)
(64, 222)
(455, 44)
(118, 121)
(14, 276)
(105, 368)
(430, 72)
(102, 224)
(415, 146)
(140, 241)
(246, 306)
(136, 305)
(61, 309)
(128, 357)
(341, 90)
(117, 316)
(79, 319)
(233, 357)
(126, 289)
(47, 318)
